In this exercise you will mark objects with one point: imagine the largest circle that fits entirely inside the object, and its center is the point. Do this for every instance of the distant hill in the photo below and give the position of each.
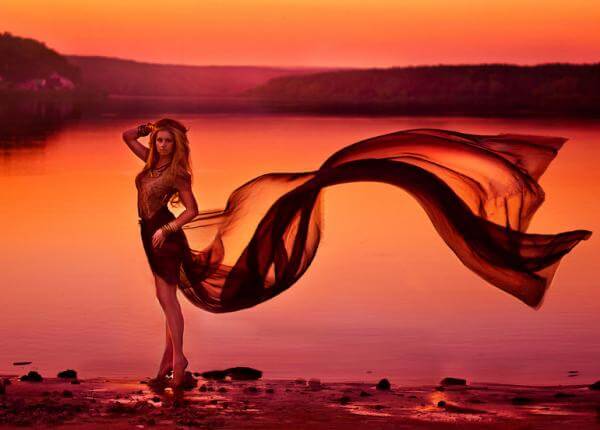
(30, 72)
(27, 63)
(131, 78)
(487, 89)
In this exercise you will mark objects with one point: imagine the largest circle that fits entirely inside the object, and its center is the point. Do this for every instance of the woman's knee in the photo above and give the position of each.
(165, 292)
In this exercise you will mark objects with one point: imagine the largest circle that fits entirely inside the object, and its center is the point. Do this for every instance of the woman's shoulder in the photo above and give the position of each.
(184, 175)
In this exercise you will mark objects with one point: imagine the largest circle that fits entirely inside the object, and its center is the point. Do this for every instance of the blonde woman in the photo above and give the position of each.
(166, 177)
(479, 191)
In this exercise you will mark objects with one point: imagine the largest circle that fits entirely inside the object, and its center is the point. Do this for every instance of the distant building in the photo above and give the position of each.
(31, 85)
(56, 81)
(53, 82)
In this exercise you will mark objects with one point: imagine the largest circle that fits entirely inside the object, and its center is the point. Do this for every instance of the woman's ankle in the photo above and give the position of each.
(179, 358)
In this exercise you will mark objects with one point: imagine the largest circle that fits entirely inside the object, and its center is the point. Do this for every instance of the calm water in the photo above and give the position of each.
(391, 299)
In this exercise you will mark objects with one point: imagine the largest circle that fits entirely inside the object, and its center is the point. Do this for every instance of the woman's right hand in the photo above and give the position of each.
(145, 129)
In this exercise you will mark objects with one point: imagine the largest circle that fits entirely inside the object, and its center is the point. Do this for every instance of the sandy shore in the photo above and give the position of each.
(294, 404)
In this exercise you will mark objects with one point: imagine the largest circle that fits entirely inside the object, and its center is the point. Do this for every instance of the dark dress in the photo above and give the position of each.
(153, 195)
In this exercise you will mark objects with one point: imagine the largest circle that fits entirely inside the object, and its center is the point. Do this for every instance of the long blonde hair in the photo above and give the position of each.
(181, 164)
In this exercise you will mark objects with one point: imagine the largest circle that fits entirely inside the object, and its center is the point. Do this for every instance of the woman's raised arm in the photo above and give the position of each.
(130, 138)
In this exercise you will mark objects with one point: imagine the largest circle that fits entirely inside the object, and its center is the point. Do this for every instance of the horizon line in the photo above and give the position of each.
(271, 66)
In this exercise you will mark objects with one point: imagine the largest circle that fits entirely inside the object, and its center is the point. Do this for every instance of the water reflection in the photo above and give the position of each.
(27, 123)
(77, 292)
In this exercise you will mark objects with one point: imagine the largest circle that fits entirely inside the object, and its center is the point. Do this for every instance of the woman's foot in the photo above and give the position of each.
(179, 366)
(166, 364)
(164, 371)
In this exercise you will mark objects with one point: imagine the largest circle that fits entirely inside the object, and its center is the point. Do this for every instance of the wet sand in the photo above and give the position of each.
(101, 403)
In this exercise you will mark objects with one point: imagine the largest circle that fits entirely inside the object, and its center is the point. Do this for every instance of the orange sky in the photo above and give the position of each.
(314, 32)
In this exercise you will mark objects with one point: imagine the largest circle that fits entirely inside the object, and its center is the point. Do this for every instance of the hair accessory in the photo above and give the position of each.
(168, 122)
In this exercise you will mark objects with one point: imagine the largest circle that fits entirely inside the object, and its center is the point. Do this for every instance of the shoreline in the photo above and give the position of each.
(96, 403)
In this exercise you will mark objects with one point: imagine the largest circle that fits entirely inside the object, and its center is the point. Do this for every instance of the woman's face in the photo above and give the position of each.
(164, 142)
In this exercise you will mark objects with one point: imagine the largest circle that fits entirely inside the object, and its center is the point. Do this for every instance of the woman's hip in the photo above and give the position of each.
(174, 242)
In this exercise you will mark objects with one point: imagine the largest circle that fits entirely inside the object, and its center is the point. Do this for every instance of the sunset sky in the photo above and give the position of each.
(314, 32)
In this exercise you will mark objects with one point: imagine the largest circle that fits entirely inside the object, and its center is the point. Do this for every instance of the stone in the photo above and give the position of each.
(32, 376)
(242, 373)
(453, 381)
(214, 374)
(67, 374)
(383, 384)
(521, 400)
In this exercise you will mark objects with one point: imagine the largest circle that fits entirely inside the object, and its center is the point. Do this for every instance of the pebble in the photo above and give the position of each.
(383, 384)
(453, 381)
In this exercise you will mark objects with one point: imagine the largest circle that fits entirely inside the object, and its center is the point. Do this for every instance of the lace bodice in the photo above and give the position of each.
(155, 192)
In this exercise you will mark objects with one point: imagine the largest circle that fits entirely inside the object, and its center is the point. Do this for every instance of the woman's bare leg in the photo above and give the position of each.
(166, 364)
(167, 297)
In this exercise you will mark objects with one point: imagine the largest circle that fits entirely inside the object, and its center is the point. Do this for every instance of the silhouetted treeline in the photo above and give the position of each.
(33, 76)
(132, 78)
(482, 90)
(23, 59)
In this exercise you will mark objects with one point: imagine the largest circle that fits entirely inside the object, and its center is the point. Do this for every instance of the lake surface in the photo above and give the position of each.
(390, 300)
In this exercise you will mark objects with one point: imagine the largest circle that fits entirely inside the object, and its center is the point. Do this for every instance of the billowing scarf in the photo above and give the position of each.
(479, 191)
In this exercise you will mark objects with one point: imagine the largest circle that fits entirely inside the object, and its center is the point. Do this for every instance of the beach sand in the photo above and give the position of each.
(101, 403)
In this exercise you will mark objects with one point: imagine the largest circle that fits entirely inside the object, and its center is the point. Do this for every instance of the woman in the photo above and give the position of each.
(166, 177)
(479, 191)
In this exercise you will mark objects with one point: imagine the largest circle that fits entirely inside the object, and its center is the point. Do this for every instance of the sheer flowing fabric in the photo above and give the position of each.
(479, 191)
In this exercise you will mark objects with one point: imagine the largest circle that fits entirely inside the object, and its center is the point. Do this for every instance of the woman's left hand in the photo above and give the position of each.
(158, 238)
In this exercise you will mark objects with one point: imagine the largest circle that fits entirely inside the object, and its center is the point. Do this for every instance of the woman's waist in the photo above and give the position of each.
(159, 217)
